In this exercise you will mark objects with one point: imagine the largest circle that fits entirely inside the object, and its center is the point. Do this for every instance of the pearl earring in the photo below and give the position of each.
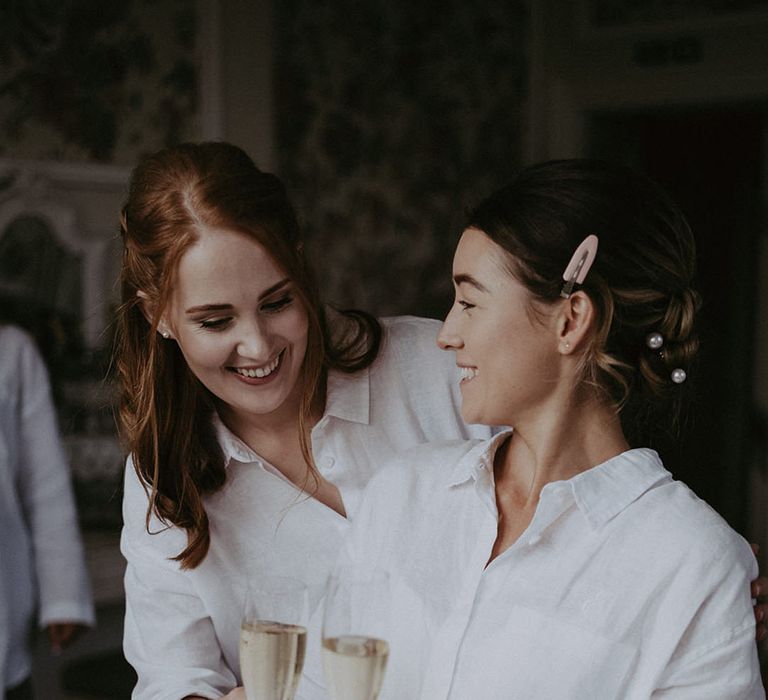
(166, 334)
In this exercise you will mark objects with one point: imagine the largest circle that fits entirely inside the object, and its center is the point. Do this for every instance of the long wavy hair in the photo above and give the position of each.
(164, 411)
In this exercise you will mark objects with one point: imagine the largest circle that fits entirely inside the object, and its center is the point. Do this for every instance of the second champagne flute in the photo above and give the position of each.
(355, 632)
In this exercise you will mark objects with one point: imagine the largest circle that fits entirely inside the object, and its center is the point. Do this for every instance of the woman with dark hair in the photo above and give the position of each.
(253, 416)
(554, 560)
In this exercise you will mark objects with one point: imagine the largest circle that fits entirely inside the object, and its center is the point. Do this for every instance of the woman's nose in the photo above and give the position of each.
(255, 343)
(448, 337)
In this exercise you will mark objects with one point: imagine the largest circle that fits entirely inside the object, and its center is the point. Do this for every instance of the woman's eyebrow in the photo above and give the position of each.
(274, 288)
(464, 278)
(208, 307)
(225, 307)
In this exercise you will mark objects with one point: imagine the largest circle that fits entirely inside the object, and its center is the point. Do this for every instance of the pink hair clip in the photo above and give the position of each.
(579, 266)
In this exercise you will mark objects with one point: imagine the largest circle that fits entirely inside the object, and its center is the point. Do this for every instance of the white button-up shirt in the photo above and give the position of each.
(182, 627)
(624, 585)
(41, 554)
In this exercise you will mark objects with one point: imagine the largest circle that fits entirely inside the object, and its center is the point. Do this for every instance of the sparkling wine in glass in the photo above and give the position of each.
(273, 638)
(355, 630)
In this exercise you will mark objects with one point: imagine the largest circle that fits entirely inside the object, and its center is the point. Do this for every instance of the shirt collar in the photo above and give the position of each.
(232, 446)
(601, 493)
(479, 458)
(349, 396)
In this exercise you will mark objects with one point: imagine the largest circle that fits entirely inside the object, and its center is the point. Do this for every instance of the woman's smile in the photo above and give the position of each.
(258, 375)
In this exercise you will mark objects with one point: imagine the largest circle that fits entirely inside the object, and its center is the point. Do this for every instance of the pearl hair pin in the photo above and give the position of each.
(678, 375)
(655, 341)
(578, 267)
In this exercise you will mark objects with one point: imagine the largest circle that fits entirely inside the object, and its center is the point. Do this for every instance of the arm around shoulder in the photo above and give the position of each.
(717, 657)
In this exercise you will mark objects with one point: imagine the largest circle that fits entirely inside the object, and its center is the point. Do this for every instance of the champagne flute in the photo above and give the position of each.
(273, 638)
(355, 631)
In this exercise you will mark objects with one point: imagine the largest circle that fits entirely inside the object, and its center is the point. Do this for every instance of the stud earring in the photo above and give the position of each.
(166, 334)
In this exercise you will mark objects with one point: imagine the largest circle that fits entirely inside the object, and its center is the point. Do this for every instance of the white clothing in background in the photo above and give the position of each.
(624, 585)
(182, 627)
(41, 554)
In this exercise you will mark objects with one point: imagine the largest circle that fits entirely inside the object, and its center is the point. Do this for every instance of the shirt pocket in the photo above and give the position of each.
(537, 655)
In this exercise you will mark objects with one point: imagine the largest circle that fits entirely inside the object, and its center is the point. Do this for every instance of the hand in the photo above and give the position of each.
(62, 634)
(760, 593)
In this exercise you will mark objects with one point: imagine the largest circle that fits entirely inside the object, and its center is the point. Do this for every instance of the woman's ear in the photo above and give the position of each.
(575, 321)
(148, 309)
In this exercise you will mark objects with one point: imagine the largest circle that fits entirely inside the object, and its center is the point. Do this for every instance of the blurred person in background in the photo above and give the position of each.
(42, 569)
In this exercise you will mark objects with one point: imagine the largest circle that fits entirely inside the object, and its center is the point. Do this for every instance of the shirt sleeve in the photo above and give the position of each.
(48, 502)
(169, 637)
(720, 672)
(716, 659)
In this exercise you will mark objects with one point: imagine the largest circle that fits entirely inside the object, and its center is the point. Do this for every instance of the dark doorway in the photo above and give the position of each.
(710, 161)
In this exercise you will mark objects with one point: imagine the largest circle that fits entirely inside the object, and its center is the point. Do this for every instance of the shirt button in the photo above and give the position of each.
(327, 462)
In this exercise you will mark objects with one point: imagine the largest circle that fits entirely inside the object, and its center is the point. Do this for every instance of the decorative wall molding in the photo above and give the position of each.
(60, 195)
(80, 174)
(597, 18)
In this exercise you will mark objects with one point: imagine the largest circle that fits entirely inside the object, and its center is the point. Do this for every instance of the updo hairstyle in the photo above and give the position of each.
(641, 281)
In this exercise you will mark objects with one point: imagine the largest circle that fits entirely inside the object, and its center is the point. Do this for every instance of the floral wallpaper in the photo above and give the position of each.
(392, 117)
(102, 81)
